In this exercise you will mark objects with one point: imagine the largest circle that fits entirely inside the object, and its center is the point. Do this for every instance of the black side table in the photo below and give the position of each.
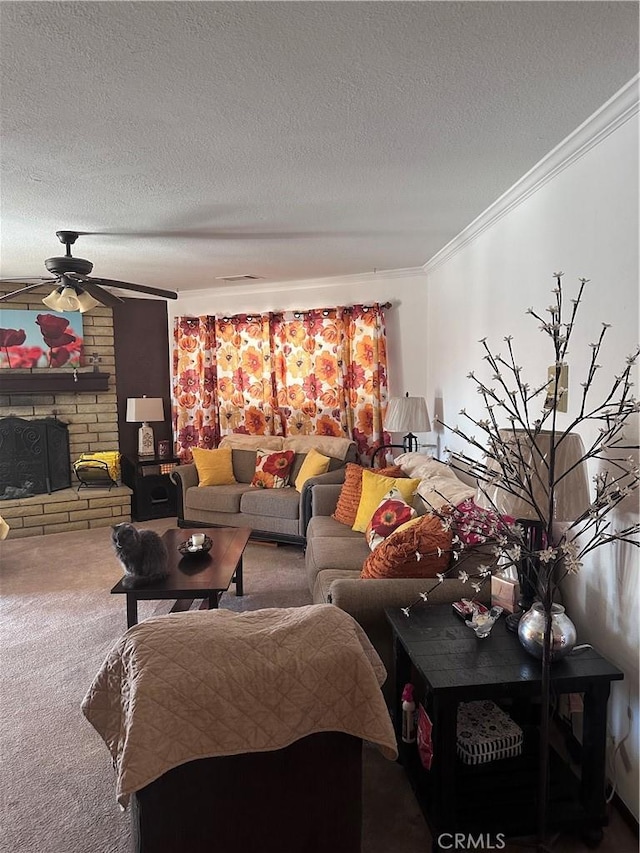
(447, 664)
(154, 494)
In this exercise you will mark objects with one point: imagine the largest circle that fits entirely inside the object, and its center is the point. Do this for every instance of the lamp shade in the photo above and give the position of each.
(145, 409)
(407, 414)
(53, 300)
(526, 457)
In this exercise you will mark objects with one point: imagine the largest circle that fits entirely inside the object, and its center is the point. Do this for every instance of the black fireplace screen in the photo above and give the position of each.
(34, 457)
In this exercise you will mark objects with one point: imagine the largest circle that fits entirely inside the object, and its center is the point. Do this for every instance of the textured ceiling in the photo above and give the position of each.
(287, 140)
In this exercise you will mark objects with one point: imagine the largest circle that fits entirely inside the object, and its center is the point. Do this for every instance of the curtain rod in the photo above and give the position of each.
(299, 313)
(321, 310)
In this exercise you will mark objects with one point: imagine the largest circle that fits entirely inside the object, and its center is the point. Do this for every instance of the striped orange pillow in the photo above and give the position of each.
(349, 500)
(397, 556)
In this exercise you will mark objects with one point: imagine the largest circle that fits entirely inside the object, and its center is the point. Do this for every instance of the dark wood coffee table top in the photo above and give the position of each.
(197, 575)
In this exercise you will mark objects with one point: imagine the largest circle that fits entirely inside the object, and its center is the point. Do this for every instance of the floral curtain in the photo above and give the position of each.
(246, 391)
(365, 365)
(195, 405)
(293, 373)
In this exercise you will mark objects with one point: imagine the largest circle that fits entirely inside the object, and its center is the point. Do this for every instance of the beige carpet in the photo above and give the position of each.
(57, 622)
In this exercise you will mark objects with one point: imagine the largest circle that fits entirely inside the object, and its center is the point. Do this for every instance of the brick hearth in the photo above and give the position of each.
(68, 509)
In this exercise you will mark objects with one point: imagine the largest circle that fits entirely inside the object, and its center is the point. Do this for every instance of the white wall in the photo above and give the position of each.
(584, 221)
(405, 321)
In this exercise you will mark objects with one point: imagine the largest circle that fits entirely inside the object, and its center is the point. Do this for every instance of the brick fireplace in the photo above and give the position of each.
(88, 405)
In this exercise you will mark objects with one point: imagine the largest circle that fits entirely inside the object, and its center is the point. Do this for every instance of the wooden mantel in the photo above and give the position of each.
(52, 382)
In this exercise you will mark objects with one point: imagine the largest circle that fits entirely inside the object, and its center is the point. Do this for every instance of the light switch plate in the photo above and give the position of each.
(563, 382)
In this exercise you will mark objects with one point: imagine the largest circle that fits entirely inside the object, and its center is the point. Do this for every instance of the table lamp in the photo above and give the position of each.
(142, 410)
(407, 413)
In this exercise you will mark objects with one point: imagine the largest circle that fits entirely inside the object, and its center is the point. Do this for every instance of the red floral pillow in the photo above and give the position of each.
(272, 468)
(392, 511)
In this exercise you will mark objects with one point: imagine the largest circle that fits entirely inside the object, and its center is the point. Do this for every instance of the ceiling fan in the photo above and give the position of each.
(74, 289)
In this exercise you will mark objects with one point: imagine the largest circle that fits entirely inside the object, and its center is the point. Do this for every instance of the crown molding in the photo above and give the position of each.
(304, 284)
(611, 115)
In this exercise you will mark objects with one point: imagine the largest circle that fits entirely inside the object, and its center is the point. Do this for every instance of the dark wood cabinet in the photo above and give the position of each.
(154, 493)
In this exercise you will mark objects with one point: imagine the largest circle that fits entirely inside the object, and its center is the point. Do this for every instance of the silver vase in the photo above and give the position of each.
(531, 631)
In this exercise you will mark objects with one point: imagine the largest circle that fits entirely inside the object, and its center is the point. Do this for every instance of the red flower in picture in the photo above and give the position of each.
(11, 338)
(57, 336)
(51, 326)
(58, 357)
(25, 356)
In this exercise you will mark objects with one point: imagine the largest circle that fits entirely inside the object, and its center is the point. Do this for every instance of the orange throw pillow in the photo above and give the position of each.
(397, 556)
(351, 492)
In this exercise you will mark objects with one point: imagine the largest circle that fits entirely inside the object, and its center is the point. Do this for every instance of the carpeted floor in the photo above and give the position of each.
(57, 622)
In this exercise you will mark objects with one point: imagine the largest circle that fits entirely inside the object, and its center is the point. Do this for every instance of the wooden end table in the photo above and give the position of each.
(447, 664)
(204, 576)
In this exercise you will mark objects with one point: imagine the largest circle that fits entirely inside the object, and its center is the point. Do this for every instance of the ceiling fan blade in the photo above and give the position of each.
(103, 296)
(26, 289)
(33, 278)
(140, 288)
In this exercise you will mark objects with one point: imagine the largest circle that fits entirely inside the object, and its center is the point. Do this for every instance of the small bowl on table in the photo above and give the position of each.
(191, 549)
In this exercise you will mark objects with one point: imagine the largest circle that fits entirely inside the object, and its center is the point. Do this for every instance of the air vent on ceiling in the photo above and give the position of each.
(239, 277)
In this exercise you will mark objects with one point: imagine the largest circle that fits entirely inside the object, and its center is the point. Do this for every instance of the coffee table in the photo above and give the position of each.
(204, 576)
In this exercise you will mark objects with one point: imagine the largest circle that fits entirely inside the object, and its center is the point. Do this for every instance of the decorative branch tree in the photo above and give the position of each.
(520, 445)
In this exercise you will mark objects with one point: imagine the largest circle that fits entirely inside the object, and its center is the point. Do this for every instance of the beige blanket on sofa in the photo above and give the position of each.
(196, 685)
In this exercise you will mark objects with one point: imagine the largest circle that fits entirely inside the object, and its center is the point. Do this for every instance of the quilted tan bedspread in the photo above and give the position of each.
(196, 685)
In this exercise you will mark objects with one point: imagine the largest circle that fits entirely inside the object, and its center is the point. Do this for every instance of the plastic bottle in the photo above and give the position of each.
(408, 714)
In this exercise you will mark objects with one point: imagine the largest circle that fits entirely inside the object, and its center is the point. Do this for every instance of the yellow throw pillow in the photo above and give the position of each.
(214, 467)
(314, 464)
(374, 488)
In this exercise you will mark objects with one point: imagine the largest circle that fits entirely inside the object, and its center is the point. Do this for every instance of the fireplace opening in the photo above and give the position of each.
(34, 457)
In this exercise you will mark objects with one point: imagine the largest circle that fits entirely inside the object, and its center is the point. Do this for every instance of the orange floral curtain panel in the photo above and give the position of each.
(195, 419)
(365, 366)
(246, 391)
(293, 373)
(308, 372)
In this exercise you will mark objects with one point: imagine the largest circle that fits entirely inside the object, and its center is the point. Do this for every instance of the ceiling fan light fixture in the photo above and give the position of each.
(70, 298)
(85, 301)
(53, 299)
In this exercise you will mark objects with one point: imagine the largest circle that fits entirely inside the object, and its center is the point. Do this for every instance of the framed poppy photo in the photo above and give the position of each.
(40, 339)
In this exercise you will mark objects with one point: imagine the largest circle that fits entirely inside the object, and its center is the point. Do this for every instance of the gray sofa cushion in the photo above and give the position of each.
(332, 545)
(324, 580)
(274, 503)
(216, 498)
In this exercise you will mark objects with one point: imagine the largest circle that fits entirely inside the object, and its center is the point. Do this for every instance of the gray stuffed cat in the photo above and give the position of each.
(142, 553)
